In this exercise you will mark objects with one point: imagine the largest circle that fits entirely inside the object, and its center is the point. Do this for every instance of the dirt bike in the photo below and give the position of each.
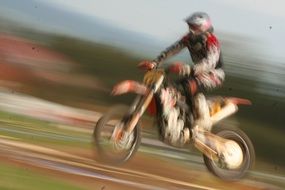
(228, 153)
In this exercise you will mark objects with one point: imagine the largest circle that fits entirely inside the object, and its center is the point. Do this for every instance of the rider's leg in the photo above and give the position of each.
(201, 108)
(202, 83)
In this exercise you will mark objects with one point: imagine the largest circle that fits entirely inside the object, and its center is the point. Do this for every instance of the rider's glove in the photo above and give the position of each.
(180, 68)
(147, 65)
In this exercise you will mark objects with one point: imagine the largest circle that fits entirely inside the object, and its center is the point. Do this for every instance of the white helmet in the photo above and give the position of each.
(199, 22)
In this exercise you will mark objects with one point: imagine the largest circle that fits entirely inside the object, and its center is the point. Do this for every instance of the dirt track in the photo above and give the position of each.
(144, 171)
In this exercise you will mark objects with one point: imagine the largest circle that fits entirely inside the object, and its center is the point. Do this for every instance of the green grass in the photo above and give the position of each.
(15, 178)
(41, 132)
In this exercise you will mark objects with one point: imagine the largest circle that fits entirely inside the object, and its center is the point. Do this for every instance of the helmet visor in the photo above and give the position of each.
(194, 28)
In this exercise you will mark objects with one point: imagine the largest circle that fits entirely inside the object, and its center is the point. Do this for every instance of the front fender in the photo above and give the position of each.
(129, 86)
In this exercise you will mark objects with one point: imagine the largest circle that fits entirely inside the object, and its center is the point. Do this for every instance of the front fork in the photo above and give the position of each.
(142, 106)
(122, 134)
(138, 112)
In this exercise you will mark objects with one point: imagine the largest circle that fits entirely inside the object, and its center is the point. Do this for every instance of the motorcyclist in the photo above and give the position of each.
(207, 71)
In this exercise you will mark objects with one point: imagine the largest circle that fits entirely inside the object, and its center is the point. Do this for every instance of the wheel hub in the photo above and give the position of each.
(233, 155)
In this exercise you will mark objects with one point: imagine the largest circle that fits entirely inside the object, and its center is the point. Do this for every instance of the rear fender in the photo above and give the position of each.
(218, 113)
(129, 86)
(238, 101)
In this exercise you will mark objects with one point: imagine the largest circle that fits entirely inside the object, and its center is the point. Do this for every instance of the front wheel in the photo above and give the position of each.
(111, 145)
(220, 168)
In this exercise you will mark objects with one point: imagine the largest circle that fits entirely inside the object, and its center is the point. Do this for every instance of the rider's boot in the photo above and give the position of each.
(201, 109)
(185, 135)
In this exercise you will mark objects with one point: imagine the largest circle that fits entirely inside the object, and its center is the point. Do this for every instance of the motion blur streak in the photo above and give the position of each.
(60, 59)
(48, 158)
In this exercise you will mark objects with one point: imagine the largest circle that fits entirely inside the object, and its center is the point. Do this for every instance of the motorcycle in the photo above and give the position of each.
(228, 153)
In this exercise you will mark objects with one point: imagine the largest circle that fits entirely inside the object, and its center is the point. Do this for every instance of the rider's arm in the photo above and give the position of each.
(171, 50)
(210, 61)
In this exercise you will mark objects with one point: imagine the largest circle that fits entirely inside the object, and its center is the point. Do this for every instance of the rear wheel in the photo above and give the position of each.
(220, 168)
(111, 145)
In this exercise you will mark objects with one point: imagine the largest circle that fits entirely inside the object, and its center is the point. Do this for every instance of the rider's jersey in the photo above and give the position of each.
(205, 52)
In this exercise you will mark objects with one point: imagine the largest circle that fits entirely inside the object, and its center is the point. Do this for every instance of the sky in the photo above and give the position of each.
(154, 16)
(163, 19)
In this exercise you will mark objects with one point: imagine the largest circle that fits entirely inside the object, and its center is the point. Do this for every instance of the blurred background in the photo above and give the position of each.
(59, 60)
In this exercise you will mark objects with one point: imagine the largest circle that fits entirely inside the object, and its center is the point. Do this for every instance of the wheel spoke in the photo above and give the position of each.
(240, 144)
(112, 144)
